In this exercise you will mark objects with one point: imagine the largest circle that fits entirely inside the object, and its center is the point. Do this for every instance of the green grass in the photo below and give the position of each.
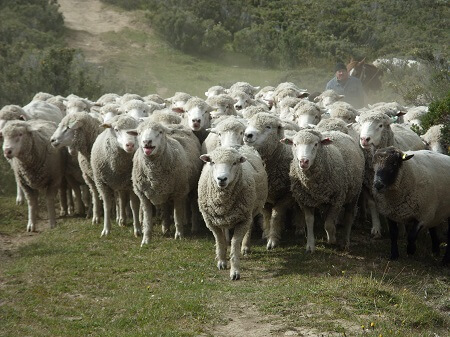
(69, 282)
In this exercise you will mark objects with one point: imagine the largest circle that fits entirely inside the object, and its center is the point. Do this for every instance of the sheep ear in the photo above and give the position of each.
(206, 158)
(23, 117)
(357, 119)
(213, 130)
(312, 126)
(407, 156)
(341, 96)
(74, 124)
(178, 109)
(393, 119)
(106, 125)
(286, 141)
(316, 99)
(400, 113)
(303, 95)
(349, 125)
(326, 141)
(132, 132)
(242, 160)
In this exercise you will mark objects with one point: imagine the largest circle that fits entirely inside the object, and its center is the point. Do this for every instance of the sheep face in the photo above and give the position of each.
(152, 139)
(225, 164)
(387, 164)
(304, 118)
(65, 133)
(136, 109)
(76, 106)
(372, 131)
(261, 129)
(242, 100)
(13, 140)
(198, 117)
(305, 146)
(231, 137)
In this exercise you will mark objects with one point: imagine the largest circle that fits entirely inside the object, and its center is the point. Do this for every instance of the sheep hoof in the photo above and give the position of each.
(235, 275)
(144, 242)
(121, 222)
(165, 231)
(19, 202)
(222, 265)
(271, 244)
(310, 249)
(62, 213)
(30, 228)
(137, 232)
(95, 220)
(105, 232)
(178, 235)
(376, 234)
(245, 250)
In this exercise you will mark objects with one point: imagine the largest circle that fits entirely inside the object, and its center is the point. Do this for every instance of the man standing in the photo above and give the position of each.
(349, 86)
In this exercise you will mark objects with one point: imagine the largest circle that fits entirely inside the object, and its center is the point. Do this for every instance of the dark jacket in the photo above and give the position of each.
(352, 90)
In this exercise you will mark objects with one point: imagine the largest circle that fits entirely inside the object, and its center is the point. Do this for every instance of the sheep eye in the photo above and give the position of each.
(220, 134)
(268, 127)
(241, 133)
(234, 163)
(380, 126)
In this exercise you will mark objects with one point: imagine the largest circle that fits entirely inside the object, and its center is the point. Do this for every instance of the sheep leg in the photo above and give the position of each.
(267, 214)
(330, 224)
(108, 202)
(31, 196)
(221, 246)
(257, 221)
(413, 232)
(50, 199)
(393, 231)
(70, 201)
(446, 259)
(63, 198)
(349, 218)
(235, 250)
(299, 221)
(309, 219)
(134, 202)
(78, 201)
(86, 198)
(123, 200)
(195, 212)
(434, 241)
(147, 221)
(20, 195)
(165, 210)
(376, 224)
(179, 214)
(276, 222)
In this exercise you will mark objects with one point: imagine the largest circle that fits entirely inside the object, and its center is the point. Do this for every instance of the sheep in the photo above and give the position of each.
(252, 110)
(242, 100)
(392, 109)
(43, 170)
(285, 106)
(215, 91)
(333, 124)
(197, 117)
(222, 105)
(433, 139)
(306, 113)
(154, 98)
(165, 153)
(326, 172)
(343, 110)
(414, 115)
(41, 96)
(378, 131)
(411, 188)
(263, 132)
(109, 110)
(327, 98)
(111, 162)
(110, 98)
(129, 97)
(279, 95)
(166, 117)
(59, 102)
(78, 131)
(77, 105)
(178, 101)
(136, 108)
(228, 132)
(266, 95)
(244, 87)
(232, 191)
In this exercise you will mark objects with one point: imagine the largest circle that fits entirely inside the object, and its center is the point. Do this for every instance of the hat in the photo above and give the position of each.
(340, 66)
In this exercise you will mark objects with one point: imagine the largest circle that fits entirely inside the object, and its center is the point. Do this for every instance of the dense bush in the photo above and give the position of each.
(288, 33)
(33, 56)
(439, 113)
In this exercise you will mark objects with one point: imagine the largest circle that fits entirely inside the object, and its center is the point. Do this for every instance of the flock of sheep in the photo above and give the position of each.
(241, 156)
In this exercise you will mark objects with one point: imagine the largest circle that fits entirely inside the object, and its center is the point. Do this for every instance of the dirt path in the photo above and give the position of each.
(87, 20)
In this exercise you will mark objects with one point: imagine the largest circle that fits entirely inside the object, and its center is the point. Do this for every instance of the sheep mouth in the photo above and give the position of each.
(222, 184)
(148, 150)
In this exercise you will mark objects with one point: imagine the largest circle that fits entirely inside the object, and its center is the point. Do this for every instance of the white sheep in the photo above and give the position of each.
(228, 132)
(178, 101)
(244, 87)
(263, 132)
(412, 188)
(215, 91)
(36, 164)
(165, 153)
(413, 115)
(326, 174)
(434, 141)
(112, 162)
(222, 105)
(109, 98)
(343, 110)
(327, 98)
(129, 97)
(377, 130)
(306, 113)
(154, 98)
(252, 110)
(197, 116)
(42, 96)
(232, 191)
(77, 105)
(266, 95)
(78, 131)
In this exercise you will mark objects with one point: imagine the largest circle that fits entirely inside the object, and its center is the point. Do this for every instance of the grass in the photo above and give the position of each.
(69, 282)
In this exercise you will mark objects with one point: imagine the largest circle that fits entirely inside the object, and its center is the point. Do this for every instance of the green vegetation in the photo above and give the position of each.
(33, 56)
(69, 282)
(292, 33)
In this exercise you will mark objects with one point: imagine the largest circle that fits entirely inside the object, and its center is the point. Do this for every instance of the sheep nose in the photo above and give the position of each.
(130, 146)
(365, 140)
(147, 142)
(304, 162)
(7, 152)
(248, 135)
(196, 120)
(378, 185)
(238, 107)
(223, 179)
